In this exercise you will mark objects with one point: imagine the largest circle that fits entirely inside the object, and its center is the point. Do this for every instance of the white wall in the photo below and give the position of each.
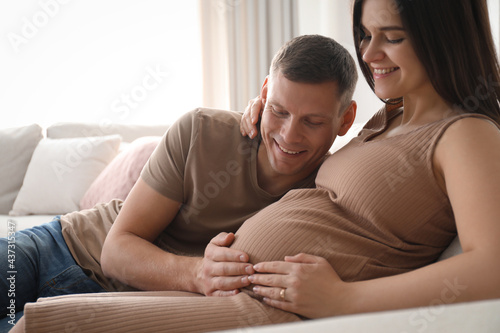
(63, 60)
(128, 61)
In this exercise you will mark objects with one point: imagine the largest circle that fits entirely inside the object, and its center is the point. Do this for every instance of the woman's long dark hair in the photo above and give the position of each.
(453, 40)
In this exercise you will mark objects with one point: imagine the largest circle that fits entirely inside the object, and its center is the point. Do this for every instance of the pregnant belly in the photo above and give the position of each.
(303, 221)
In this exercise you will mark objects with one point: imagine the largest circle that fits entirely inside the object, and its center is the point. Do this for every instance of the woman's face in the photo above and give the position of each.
(385, 47)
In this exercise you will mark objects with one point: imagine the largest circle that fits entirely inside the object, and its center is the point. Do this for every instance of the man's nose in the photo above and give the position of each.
(291, 131)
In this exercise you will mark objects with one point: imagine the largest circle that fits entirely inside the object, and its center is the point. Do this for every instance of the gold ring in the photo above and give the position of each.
(282, 294)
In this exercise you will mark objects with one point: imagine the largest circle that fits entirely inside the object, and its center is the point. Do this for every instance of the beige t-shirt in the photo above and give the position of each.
(203, 162)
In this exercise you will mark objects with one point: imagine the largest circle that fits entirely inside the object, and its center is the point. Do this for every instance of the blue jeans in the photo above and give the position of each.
(37, 263)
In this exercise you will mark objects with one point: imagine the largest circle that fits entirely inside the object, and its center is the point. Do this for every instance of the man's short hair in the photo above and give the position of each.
(317, 59)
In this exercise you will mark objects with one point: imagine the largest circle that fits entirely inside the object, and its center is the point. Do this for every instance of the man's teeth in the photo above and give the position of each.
(288, 151)
(383, 71)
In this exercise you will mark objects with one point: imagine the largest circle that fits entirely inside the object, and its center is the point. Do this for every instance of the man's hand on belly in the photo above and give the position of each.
(223, 271)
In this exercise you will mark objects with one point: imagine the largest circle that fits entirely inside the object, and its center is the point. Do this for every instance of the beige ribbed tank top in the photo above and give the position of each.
(377, 209)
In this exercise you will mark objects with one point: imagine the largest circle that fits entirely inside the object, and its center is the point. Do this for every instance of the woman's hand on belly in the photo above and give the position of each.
(311, 286)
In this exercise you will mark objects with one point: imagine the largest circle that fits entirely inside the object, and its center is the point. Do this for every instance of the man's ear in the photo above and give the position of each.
(263, 90)
(347, 118)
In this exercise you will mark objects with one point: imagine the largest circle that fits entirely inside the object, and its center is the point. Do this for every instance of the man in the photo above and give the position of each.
(204, 178)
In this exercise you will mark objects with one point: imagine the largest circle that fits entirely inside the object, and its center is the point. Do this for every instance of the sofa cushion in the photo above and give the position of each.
(16, 148)
(118, 178)
(452, 250)
(128, 132)
(60, 172)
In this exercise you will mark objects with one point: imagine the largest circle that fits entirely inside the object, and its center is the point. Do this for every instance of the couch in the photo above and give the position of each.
(67, 167)
(71, 166)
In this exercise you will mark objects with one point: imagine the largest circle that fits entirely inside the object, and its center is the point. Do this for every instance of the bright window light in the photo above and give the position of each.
(124, 61)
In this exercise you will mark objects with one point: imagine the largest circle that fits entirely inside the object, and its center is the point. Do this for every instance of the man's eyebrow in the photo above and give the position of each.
(281, 108)
(275, 103)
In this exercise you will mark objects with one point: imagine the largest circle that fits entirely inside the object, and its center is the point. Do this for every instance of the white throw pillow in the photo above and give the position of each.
(16, 148)
(61, 171)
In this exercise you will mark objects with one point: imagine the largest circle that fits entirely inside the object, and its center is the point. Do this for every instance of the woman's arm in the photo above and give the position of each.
(467, 161)
(130, 256)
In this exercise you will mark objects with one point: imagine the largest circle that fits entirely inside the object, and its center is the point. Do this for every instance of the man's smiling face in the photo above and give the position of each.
(299, 124)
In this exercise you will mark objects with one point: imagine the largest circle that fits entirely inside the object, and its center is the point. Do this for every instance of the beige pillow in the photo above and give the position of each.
(60, 172)
(16, 148)
(116, 181)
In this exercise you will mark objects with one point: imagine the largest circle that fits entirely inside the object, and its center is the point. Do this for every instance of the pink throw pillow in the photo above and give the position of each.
(118, 178)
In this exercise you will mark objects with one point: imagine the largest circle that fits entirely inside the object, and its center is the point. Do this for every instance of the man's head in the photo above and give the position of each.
(317, 59)
(307, 98)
